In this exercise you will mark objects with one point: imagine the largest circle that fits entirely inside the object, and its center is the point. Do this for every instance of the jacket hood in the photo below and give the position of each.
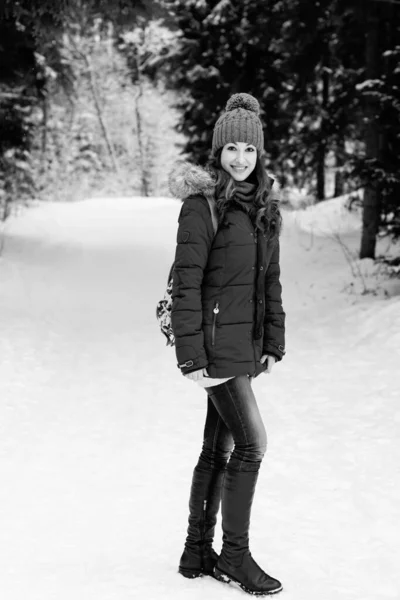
(186, 179)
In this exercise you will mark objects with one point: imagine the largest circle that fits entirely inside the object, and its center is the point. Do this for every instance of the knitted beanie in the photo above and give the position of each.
(240, 123)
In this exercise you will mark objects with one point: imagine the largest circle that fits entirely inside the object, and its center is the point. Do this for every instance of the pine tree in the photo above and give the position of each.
(321, 55)
(289, 57)
(223, 48)
(34, 67)
(380, 165)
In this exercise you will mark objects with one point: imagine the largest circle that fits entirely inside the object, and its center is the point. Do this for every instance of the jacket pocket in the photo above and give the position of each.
(214, 324)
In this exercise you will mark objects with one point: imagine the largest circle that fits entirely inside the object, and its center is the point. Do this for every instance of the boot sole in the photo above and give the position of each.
(193, 573)
(190, 573)
(221, 576)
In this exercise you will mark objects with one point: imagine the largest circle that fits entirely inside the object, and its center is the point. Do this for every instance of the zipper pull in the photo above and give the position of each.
(216, 309)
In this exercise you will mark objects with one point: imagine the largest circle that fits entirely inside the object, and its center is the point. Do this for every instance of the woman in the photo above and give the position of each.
(228, 323)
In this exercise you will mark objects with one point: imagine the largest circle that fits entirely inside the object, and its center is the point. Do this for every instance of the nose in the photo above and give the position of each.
(240, 158)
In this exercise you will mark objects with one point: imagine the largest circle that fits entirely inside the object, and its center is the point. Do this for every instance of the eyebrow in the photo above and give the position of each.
(236, 143)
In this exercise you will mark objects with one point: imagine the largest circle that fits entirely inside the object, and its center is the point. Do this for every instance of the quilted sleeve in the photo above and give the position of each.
(274, 319)
(194, 240)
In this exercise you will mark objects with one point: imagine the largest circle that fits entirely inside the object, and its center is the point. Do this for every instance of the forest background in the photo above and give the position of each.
(100, 97)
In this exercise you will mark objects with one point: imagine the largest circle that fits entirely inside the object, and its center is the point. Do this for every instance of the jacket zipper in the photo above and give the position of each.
(253, 341)
(215, 311)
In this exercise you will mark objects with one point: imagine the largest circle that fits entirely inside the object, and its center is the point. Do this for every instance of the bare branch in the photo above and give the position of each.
(17, 96)
(95, 95)
(388, 1)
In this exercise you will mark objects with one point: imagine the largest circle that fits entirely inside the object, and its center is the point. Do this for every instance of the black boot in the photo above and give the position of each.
(235, 562)
(205, 496)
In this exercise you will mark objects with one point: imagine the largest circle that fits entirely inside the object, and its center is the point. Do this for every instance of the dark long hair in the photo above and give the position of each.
(264, 212)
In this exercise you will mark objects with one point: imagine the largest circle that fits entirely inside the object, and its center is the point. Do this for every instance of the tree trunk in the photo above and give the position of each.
(43, 153)
(95, 95)
(323, 146)
(371, 204)
(143, 170)
(339, 184)
(321, 171)
(339, 176)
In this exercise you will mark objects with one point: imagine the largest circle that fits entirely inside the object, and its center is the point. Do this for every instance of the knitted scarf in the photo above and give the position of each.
(245, 191)
(243, 196)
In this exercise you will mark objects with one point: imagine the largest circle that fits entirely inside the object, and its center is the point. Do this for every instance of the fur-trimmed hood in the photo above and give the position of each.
(186, 179)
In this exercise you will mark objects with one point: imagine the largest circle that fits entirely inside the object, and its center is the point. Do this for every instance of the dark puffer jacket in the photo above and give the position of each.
(226, 297)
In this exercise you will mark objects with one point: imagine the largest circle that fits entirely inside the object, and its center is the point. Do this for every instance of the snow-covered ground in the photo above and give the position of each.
(99, 432)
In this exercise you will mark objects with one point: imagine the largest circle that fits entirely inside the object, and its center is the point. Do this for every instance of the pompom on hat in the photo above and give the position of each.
(239, 123)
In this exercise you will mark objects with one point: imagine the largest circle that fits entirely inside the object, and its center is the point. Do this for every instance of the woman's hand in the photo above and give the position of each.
(270, 362)
(197, 375)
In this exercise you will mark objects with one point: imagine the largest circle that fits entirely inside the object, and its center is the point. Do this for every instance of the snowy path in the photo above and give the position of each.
(99, 432)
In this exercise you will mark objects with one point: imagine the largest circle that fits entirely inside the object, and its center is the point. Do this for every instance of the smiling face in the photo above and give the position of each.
(239, 159)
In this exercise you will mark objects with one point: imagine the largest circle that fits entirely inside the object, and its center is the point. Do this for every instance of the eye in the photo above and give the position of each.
(250, 149)
(231, 148)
